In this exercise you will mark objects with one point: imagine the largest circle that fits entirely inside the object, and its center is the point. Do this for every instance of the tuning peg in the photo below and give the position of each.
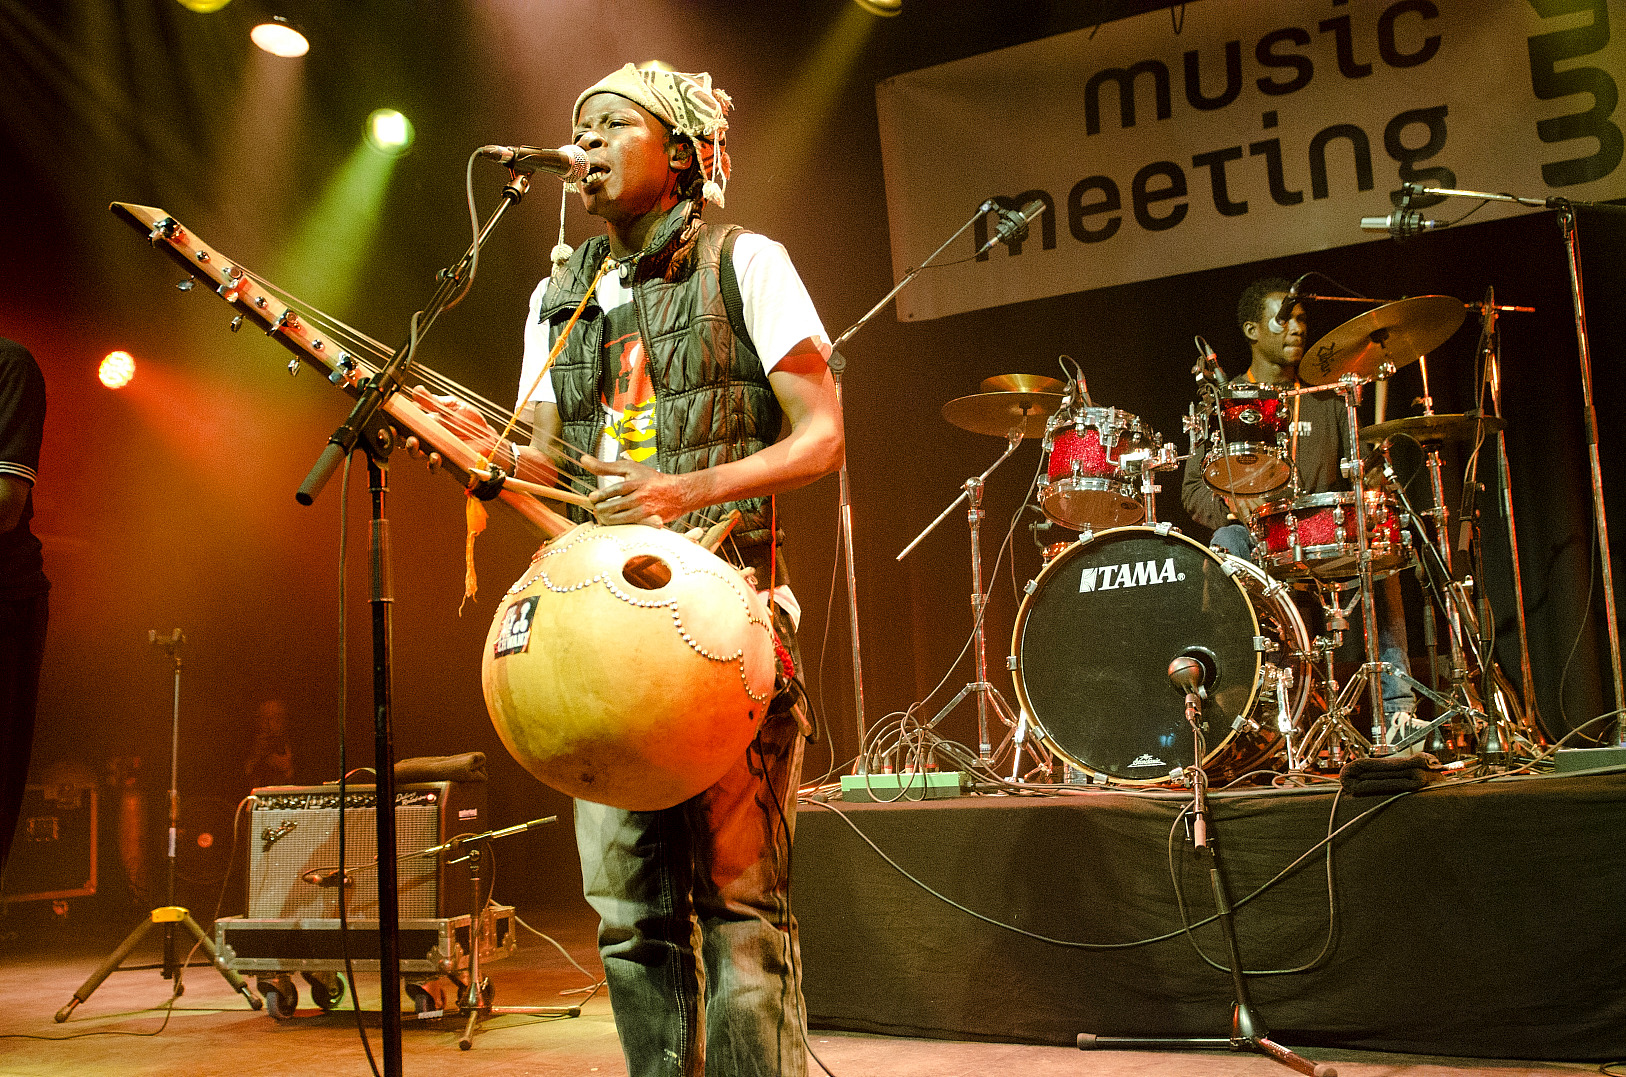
(187, 285)
(237, 323)
(293, 366)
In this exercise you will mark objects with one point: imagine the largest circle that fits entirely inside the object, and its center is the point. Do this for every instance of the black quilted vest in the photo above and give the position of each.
(713, 402)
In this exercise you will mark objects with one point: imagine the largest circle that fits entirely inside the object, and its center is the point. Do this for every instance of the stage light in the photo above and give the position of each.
(203, 7)
(885, 8)
(388, 131)
(116, 370)
(280, 37)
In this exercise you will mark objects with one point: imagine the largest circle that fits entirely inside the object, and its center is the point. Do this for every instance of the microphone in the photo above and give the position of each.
(1208, 368)
(1401, 224)
(1193, 670)
(569, 163)
(1278, 323)
(1013, 227)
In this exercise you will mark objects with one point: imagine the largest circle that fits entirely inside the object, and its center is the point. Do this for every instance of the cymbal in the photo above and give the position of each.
(1434, 427)
(997, 413)
(1022, 383)
(1393, 335)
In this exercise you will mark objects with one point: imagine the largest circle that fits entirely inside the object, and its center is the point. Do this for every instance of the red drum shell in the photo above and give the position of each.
(1315, 536)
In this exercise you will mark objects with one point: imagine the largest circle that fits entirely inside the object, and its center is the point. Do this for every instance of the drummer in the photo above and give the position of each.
(1318, 438)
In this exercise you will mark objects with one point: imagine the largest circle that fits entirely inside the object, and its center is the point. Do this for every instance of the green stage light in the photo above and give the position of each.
(203, 7)
(388, 131)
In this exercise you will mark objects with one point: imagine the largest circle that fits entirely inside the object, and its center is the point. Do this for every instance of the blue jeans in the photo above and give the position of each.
(1392, 643)
(695, 929)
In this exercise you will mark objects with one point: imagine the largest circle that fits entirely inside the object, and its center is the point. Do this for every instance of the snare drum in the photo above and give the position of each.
(1086, 485)
(1250, 455)
(1315, 536)
(1099, 628)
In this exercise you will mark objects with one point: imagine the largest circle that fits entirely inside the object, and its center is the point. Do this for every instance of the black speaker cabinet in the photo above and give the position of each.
(53, 855)
(294, 838)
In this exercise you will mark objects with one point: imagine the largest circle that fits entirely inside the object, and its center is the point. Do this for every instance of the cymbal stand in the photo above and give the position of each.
(1248, 1031)
(1442, 590)
(988, 697)
(1488, 311)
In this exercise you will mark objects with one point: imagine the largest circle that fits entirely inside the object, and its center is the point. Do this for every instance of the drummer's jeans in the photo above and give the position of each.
(708, 876)
(1392, 646)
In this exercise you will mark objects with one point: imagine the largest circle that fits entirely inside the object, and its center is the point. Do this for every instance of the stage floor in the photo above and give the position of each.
(910, 987)
(121, 1032)
(1483, 920)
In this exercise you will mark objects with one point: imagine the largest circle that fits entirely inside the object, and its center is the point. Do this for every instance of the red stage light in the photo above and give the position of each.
(117, 370)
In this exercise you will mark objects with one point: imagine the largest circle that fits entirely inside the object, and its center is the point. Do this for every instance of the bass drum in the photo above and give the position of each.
(1099, 628)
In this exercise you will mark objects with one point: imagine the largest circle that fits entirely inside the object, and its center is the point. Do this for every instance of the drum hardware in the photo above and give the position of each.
(1088, 655)
(988, 697)
(1248, 1032)
(1499, 725)
(1568, 226)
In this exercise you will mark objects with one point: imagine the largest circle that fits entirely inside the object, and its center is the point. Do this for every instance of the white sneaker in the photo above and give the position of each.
(1402, 724)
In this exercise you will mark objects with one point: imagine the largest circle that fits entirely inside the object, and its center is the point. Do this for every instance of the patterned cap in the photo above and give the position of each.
(687, 104)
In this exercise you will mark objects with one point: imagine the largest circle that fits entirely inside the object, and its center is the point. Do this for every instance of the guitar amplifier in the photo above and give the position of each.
(293, 850)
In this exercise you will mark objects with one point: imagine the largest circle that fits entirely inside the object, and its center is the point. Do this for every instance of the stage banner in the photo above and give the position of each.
(1254, 130)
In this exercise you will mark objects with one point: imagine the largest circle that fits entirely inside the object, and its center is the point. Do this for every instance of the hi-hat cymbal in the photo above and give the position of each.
(1022, 383)
(1383, 340)
(1434, 427)
(998, 413)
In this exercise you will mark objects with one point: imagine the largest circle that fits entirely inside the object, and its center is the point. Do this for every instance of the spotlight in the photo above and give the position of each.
(886, 8)
(116, 370)
(280, 37)
(203, 7)
(389, 132)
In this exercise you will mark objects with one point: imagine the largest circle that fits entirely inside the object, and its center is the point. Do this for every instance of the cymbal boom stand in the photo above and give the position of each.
(988, 697)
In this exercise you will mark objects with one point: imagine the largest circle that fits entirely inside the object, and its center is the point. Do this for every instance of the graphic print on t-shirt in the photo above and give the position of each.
(629, 394)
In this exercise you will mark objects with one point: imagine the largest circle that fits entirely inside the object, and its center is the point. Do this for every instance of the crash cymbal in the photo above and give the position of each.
(1383, 339)
(1022, 383)
(1434, 427)
(998, 413)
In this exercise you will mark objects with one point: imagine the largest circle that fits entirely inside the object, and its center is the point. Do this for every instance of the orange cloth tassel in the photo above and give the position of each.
(474, 512)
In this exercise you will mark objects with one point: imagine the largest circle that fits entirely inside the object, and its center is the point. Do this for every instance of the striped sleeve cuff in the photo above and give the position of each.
(18, 471)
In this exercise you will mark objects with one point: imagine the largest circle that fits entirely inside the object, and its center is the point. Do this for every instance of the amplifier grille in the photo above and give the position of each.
(308, 841)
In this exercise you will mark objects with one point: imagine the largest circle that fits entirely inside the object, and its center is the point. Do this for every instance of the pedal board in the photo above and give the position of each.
(907, 785)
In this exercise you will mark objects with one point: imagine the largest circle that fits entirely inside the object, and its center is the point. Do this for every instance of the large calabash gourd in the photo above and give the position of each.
(628, 666)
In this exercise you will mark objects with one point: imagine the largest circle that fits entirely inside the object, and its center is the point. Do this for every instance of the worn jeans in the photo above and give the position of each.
(695, 928)
(1392, 643)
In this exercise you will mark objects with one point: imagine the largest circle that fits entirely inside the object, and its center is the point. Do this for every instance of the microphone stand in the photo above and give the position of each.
(1248, 1031)
(367, 426)
(1567, 226)
(838, 366)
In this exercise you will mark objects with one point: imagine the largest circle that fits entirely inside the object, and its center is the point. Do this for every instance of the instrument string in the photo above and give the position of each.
(370, 354)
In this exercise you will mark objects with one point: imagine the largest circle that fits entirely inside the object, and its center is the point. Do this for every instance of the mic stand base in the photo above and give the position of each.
(475, 997)
(1248, 1032)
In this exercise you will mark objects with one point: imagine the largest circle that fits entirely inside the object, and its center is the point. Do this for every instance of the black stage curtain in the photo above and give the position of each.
(1482, 920)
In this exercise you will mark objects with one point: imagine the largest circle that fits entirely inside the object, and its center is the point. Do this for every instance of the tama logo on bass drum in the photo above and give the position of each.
(1134, 574)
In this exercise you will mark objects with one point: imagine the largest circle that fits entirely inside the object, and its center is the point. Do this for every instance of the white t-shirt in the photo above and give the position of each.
(774, 302)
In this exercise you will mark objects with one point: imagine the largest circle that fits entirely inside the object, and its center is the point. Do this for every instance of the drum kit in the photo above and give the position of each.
(1116, 612)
